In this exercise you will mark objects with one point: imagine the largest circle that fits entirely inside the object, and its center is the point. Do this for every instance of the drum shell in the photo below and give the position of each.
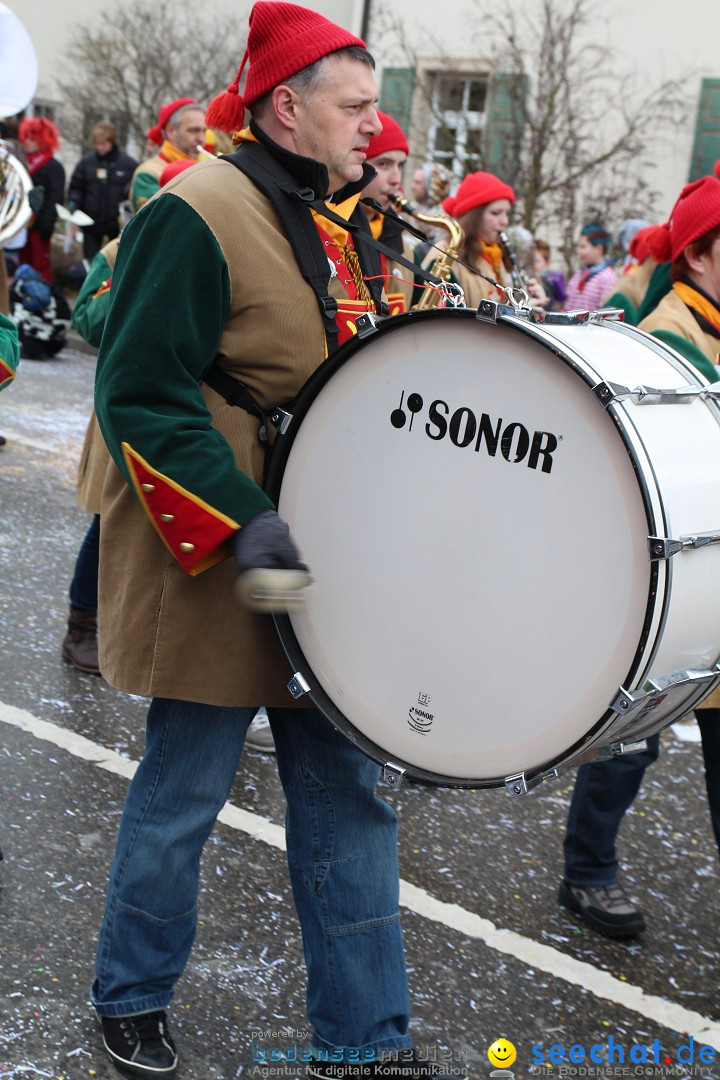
(659, 446)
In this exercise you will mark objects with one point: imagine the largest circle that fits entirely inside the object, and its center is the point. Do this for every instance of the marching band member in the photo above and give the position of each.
(387, 153)
(179, 131)
(688, 320)
(482, 206)
(242, 295)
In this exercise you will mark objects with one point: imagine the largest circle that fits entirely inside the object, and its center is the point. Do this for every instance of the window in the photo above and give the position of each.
(458, 120)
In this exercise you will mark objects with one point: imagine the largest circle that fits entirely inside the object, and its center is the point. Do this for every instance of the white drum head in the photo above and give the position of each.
(482, 576)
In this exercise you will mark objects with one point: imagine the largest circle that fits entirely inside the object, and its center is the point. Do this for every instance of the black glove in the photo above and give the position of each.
(265, 543)
(36, 197)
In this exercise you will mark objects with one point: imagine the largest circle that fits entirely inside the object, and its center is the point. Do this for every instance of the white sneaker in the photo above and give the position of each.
(259, 735)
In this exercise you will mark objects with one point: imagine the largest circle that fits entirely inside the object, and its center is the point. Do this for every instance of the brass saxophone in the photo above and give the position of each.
(442, 266)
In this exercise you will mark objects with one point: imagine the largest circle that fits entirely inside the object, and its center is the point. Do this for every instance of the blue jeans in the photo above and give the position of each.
(342, 856)
(603, 792)
(84, 585)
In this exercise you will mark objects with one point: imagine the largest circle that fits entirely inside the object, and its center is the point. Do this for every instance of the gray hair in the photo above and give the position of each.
(174, 118)
(312, 77)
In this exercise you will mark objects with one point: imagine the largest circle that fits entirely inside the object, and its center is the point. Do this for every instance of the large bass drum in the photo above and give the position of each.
(512, 528)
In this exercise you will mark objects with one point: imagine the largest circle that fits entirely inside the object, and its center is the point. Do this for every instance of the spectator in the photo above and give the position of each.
(596, 278)
(99, 183)
(553, 281)
(40, 139)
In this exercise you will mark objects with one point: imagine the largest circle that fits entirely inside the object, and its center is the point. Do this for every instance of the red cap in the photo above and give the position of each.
(171, 171)
(696, 212)
(477, 189)
(392, 137)
(283, 39)
(155, 134)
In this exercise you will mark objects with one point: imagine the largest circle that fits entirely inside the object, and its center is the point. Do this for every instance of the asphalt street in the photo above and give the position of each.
(490, 952)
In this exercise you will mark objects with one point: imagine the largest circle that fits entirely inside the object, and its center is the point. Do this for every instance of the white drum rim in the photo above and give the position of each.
(279, 454)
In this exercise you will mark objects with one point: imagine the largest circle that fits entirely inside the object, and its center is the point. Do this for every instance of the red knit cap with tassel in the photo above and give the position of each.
(695, 213)
(283, 39)
(155, 134)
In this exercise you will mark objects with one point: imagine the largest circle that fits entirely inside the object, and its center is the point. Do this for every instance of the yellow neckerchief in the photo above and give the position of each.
(171, 153)
(376, 226)
(491, 253)
(695, 300)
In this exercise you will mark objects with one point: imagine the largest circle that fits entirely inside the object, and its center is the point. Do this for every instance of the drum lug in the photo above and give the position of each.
(623, 748)
(280, 419)
(627, 701)
(661, 548)
(393, 775)
(521, 784)
(368, 324)
(487, 311)
(298, 686)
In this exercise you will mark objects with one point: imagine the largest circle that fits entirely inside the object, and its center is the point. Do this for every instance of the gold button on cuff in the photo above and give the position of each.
(148, 487)
(187, 547)
(167, 517)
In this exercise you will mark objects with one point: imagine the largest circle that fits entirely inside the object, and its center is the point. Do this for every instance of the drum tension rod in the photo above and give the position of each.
(660, 547)
(607, 393)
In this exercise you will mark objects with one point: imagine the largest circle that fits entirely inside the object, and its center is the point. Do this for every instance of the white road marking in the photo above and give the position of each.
(575, 972)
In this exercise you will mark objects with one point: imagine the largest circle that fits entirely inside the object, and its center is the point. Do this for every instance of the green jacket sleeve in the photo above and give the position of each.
(144, 187)
(690, 352)
(9, 351)
(93, 300)
(171, 298)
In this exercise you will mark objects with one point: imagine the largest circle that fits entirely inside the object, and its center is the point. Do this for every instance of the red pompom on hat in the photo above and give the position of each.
(477, 189)
(392, 137)
(283, 39)
(173, 169)
(695, 213)
(638, 248)
(717, 169)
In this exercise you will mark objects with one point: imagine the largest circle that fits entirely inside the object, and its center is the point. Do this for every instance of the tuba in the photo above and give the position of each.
(18, 81)
(442, 265)
(15, 183)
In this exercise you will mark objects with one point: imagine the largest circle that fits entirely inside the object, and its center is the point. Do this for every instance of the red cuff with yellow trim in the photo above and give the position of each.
(6, 373)
(190, 529)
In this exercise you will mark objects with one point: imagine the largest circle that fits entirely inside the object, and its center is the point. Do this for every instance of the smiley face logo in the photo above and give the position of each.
(502, 1053)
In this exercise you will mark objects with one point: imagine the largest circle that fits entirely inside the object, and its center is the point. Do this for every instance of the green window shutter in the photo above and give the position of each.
(505, 120)
(706, 149)
(396, 94)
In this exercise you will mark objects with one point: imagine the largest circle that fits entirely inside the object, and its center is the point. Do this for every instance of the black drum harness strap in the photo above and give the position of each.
(291, 201)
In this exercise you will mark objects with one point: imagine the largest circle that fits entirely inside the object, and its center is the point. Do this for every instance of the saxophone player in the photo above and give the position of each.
(387, 153)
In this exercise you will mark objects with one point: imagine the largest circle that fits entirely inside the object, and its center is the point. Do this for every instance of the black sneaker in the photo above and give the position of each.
(606, 908)
(140, 1046)
(396, 1065)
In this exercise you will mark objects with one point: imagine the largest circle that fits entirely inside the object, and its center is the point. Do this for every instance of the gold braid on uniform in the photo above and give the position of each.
(353, 264)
